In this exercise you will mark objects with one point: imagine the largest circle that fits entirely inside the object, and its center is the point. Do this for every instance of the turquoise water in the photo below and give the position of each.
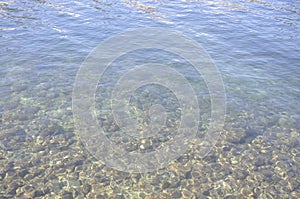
(254, 44)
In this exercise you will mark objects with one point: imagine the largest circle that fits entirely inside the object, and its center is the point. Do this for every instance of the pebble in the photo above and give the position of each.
(67, 195)
(233, 160)
(38, 193)
(86, 188)
(18, 88)
(236, 137)
(259, 161)
(23, 172)
(176, 194)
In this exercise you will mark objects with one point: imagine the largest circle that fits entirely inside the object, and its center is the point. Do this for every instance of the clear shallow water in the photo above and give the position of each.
(255, 45)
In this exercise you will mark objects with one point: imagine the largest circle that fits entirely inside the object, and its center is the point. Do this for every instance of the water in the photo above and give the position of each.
(254, 44)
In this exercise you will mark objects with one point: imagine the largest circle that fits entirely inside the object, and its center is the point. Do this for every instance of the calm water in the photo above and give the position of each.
(255, 45)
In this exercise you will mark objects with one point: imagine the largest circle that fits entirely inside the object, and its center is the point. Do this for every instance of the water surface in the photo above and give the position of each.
(255, 45)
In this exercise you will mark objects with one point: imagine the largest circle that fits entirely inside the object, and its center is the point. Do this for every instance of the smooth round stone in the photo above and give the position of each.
(11, 105)
(142, 195)
(294, 142)
(230, 197)
(259, 161)
(38, 193)
(176, 194)
(31, 110)
(19, 88)
(86, 188)
(186, 193)
(67, 195)
(18, 132)
(236, 137)
(23, 172)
